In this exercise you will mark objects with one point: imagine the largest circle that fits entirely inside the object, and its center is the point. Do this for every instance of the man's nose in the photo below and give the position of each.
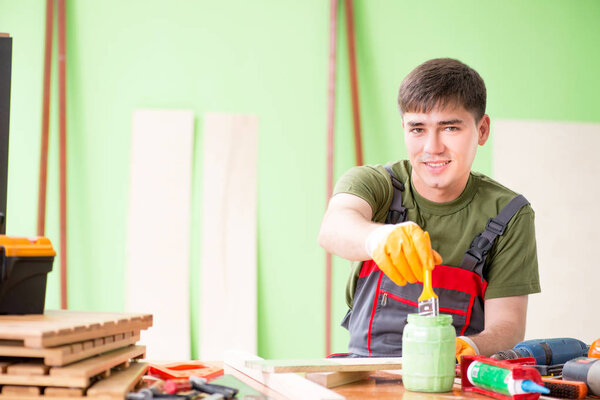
(433, 144)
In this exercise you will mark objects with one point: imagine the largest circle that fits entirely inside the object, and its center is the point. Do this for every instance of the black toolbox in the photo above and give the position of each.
(24, 267)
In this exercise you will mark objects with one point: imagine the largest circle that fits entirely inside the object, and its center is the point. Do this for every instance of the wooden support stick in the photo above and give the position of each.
(289, 385)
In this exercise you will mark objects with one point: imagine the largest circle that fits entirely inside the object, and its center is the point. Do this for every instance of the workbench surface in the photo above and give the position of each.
(380, 385)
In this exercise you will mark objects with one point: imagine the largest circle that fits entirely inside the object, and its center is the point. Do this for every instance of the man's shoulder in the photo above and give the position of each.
(490, 190)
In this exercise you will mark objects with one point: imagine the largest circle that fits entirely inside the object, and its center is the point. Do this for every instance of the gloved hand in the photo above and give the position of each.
(402, 252)
(465, 347)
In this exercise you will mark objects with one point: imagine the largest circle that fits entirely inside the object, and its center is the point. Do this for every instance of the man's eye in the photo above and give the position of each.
(417, 130)
(451, 128)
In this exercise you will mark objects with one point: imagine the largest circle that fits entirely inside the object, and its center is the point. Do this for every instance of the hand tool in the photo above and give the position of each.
(184, 370)
(546, 351)
(565, 389)
(428, 301)
(201, 385)
(506, 380)
(501, 380)
(584, 369)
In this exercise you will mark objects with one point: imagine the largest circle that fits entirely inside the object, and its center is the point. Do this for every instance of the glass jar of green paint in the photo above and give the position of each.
(428, 353)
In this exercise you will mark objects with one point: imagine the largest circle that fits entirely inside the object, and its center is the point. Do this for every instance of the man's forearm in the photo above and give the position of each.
(345, 227)
(505, 320)
(345, 234)
(500, 337)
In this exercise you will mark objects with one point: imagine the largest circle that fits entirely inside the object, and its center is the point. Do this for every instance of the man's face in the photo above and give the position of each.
(441, 147)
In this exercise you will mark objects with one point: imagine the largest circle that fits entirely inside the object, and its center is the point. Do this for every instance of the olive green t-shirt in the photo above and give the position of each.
(511, 266)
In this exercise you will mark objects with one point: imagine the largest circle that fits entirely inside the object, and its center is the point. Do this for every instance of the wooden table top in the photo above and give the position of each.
(380, 385)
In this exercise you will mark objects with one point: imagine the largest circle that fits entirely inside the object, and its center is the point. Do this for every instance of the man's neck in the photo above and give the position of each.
(438, 195)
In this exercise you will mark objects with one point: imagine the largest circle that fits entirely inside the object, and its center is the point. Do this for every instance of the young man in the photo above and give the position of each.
(483, 281)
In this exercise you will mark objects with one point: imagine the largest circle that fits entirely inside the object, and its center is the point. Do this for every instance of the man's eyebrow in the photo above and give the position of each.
(415, 123)
(451, 122)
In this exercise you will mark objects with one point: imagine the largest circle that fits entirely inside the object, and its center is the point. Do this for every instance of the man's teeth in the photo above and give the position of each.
(439, 164)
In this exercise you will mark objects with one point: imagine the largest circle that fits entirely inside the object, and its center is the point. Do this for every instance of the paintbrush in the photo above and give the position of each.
(428, 301)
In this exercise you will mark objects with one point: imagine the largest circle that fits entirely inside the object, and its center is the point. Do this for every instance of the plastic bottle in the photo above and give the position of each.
(500, 380)
(428, 353)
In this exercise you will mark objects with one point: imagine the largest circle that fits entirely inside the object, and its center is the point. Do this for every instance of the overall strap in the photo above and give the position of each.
(397, 212)
(475, 256)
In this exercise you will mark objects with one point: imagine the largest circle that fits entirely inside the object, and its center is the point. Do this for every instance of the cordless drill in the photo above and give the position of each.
(546, 351)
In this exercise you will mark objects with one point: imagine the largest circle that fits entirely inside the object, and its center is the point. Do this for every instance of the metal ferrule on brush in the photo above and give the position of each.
(429, 307)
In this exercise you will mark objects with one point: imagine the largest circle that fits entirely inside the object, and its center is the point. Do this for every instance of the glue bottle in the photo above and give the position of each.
(500, 380)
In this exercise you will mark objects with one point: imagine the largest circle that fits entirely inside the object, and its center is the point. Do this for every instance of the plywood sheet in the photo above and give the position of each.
(65, 354)
(58, 327)
(158, 233)
(327, 364)
(228, 290)
(291, 385)
(554, 165)
(335, 379)
(75, 375)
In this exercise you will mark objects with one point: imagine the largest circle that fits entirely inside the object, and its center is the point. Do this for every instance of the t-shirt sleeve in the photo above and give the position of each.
(370, 184)
(513, 270)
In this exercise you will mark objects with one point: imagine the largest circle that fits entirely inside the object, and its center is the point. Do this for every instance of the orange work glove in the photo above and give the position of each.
(402, 252)
(465, 347)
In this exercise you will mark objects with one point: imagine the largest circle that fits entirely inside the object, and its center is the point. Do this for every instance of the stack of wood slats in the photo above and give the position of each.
(71, 355)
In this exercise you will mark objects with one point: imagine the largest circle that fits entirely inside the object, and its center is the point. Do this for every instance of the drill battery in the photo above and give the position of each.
(24, 267)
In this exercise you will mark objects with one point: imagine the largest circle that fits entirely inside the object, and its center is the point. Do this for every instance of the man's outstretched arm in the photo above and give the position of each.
(346, 226)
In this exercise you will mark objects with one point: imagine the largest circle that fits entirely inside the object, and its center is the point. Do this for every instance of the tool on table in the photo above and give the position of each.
(501, 379)
(201, 385)
(565, 389)
(428, 301)
(584, 369)
(594, 351)
(546, 351)
(549, 370)
(182, 370)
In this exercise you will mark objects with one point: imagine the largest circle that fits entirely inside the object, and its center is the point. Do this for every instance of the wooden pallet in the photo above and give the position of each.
(115, 387)
(58, 327)
(65, 354)
(77, 375)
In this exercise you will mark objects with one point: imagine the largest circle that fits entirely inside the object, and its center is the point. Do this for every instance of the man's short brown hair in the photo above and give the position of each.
(441, 82)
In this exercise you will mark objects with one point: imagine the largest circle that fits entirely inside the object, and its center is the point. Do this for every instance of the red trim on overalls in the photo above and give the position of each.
(374, 308)
(445, 277)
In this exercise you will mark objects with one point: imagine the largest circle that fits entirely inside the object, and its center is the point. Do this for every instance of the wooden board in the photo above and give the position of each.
(65, 354)
(115, 387)
(75, 375)
(326, 364)
(228, 289)
(553, 164)
(334, 379)
(289, 385)
(158, 228)
(57, 327)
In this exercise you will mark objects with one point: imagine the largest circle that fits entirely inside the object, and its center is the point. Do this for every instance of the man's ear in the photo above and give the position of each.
(483, 130)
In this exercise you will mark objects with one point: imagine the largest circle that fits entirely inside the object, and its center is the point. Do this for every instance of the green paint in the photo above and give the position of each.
(269, 57)
(428, 353)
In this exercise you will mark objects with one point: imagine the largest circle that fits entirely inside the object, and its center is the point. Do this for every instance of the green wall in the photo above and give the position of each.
(540, 60)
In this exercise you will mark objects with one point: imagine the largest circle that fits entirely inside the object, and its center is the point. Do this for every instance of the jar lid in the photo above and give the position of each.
(429, 320)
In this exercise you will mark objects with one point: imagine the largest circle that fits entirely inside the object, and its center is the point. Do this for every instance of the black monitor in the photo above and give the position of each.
(5, 65)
